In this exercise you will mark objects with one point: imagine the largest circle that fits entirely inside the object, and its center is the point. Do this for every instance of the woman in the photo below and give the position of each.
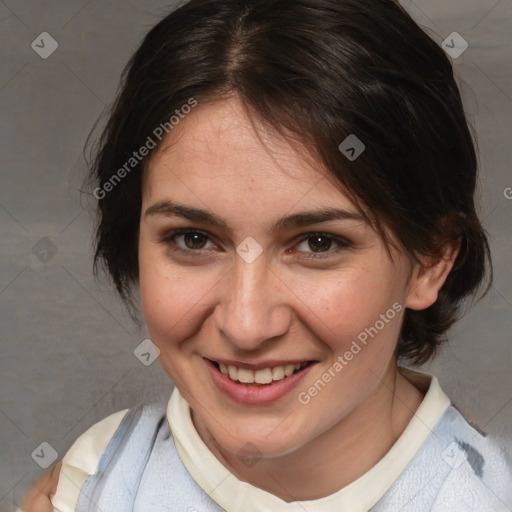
(290, 187)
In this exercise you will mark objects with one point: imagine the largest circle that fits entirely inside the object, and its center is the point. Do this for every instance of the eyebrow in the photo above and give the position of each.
(169, 208)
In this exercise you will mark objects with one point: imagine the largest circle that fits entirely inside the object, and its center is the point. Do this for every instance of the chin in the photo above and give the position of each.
(260, 441)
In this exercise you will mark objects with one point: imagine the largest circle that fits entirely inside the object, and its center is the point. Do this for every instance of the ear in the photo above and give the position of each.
(429, 275)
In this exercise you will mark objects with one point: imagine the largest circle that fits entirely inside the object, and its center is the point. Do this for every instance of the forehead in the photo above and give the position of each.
(218, 159)
(218, 145)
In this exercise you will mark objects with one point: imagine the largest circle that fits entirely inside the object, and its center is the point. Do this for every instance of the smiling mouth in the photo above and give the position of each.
(262, 377)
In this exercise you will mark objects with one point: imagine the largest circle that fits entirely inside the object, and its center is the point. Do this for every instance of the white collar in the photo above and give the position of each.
(359, 496)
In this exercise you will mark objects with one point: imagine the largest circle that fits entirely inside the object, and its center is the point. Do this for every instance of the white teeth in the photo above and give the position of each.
(289, 369)
(233, 372)
(246, 376)
(263, 376)
(278, 373)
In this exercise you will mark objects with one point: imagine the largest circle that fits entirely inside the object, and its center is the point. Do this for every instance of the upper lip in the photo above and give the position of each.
(270, 363)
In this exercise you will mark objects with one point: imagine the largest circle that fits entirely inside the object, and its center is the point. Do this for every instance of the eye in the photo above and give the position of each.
(318, 245)
(193, 242)
(186, 240)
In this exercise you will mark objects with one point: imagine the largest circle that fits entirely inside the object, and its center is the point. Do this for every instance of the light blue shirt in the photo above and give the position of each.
(456, 470)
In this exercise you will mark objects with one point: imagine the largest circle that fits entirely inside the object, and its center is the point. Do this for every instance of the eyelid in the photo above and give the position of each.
(342, 243)
(169, 236)
(331, 236)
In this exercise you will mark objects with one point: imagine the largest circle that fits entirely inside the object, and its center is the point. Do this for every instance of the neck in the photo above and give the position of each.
(340, 455)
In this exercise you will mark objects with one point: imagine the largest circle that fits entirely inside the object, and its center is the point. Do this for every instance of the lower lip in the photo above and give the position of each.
(253, 395)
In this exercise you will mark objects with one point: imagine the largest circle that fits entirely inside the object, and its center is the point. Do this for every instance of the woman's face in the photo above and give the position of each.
(268, 276)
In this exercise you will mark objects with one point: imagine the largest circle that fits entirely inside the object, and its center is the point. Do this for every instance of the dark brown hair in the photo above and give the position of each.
(317, 71)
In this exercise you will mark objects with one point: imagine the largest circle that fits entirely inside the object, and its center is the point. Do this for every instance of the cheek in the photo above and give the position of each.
(357, 319)
(348, 305)
(171, 297)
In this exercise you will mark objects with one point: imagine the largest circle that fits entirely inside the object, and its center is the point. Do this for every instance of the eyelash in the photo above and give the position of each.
(169, 241)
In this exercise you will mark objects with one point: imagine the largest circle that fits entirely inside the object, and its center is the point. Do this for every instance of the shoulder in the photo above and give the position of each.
(85, 451)
(477, 471)
(83, 458)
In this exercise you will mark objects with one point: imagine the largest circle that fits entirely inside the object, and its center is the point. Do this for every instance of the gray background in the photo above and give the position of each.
(67, 345)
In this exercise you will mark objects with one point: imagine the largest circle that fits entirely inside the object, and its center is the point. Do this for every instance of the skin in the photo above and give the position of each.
(205, 301)
(284, 305)
(38, 497)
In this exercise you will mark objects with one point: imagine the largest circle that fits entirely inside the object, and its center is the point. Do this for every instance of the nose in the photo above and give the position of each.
(252, 308)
